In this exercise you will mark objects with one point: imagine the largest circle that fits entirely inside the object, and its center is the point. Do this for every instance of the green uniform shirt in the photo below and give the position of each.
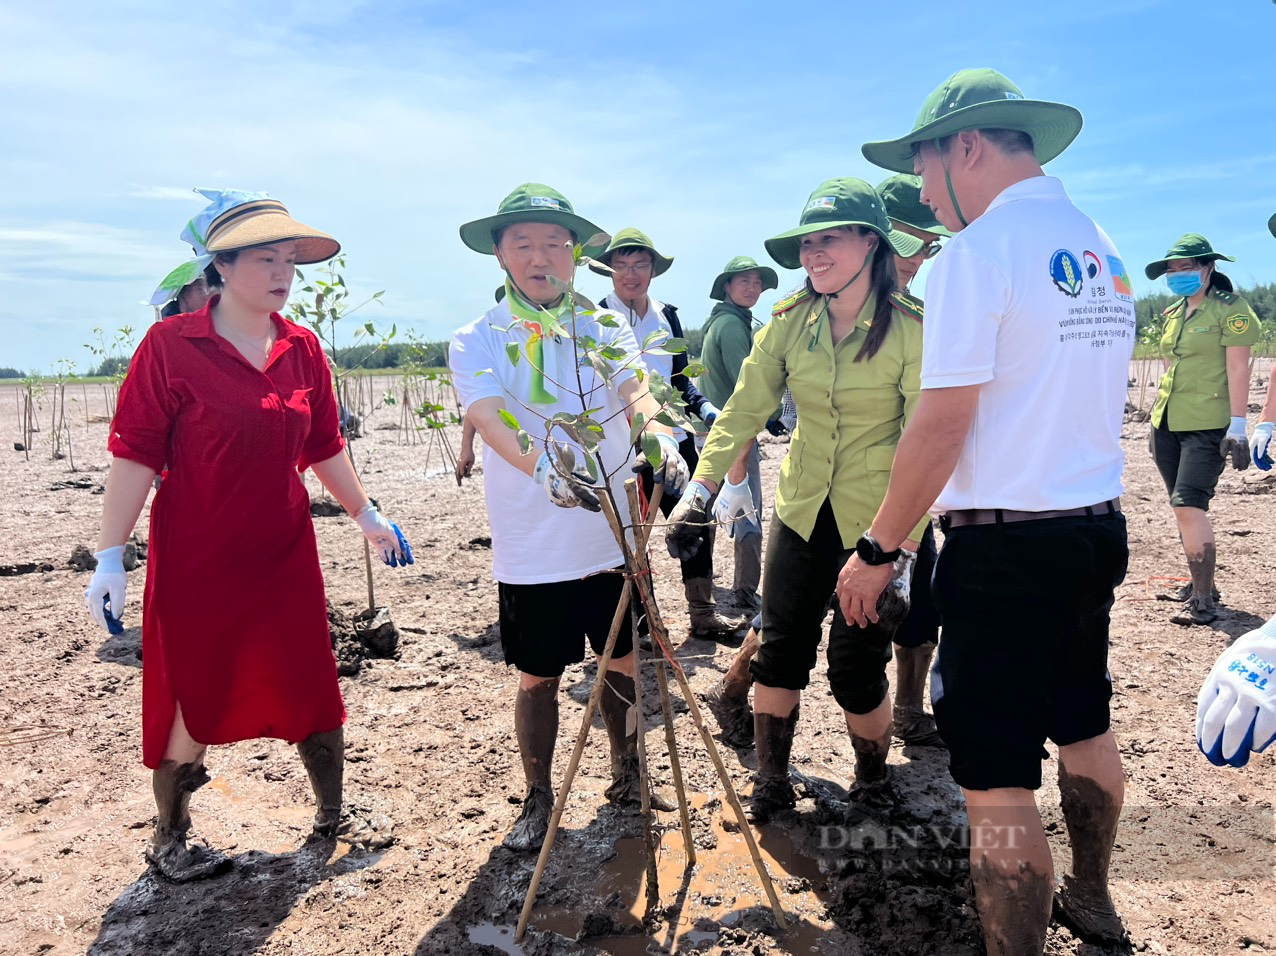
(728, 337)
(1193, 392)
(850, 414)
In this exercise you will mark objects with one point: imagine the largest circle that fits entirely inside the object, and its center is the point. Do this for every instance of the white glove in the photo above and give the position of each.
(1234, 445)
(735, 506)
(385, 537)
(708, 412)
(566, 492)
(672, 471)
(1258, 445)
(104, 596)
(1236, 708)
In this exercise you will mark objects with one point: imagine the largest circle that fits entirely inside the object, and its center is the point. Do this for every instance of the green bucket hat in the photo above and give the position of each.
(902, 194)
(533, 202)
(1190, 246)
(1271, 225)
(742, 264)
(840, 202)
(980, 99)
(632, 238)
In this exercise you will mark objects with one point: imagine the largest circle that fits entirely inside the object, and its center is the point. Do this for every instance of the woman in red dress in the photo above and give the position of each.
(234, 401)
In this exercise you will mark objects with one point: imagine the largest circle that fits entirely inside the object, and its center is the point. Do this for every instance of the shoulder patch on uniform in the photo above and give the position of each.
(1172, 310)
(790, 301)
(909, 305)
(1228, 297)
(1238, 324)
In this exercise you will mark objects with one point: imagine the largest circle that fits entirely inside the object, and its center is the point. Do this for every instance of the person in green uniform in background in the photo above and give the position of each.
(728, 337)
(1198, 420)
(1260, 443)
(849, 346)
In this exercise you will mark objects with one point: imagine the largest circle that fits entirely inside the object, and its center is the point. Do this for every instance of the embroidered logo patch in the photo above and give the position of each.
(1238, 324)
(1120, 281)
(1092, 265)
(547, 201)
(822, 202)
(1065, 270)
(1013, 96)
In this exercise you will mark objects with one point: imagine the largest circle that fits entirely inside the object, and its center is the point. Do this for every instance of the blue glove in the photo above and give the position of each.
(709, 412)
(1236, 708)
(104, 596)
(1258, 445)
(386, 538)
(734, 509)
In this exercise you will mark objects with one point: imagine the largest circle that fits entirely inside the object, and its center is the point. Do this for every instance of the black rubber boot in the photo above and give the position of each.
(912, 724)
(620, 716)
(1082, 902)
(871, 796)
(707, 623)
(772, 790)
(1014, 909)
(729, 704)
(324, 757)
(536, 724)
(169, 853)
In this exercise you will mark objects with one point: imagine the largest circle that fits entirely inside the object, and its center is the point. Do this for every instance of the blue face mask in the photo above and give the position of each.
(1184, 283)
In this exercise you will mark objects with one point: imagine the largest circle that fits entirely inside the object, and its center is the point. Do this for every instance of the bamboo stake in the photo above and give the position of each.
(644, 778)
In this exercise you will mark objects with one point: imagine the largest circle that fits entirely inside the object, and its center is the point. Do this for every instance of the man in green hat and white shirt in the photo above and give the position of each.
(1016, 443)
(551, 549)
(632, 261)
(728, 339)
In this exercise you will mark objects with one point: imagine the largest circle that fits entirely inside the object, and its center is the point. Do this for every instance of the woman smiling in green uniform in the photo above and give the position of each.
(1199, 416)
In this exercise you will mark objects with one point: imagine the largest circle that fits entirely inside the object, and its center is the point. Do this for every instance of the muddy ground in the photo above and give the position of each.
(430, 746)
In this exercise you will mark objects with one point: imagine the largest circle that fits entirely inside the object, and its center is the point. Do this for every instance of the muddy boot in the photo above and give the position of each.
(912, 724)
(872, 798)
(729, 704)
(173, 784)
(1082, 902)
(536, 724)
(772, 790)
(1200, 606)
(620, 716)
(1013, 909)
(324, 757)
(706, 623)
(1181, 594)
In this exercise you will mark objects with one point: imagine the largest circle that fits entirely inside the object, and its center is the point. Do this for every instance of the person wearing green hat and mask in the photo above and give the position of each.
(632, 261)
(849, 346)
(552, 551)
(1198, 420)
(728, 337)
(1016, 443)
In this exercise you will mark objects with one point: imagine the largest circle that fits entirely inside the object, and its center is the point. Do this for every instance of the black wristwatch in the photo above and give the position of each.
(871, 553)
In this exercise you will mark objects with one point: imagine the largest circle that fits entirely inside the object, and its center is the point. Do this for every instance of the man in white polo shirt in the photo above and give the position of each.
(551, 548)
(1029, 332)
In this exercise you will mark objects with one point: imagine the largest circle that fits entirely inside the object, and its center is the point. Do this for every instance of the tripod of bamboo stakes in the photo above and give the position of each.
(638, 578)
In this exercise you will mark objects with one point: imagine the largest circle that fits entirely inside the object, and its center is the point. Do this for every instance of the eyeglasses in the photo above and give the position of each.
(637, 268)
(931, 249)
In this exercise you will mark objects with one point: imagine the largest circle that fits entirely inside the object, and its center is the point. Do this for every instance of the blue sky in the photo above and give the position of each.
(705, 124)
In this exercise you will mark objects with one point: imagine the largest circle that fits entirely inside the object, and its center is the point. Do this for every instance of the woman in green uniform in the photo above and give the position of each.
(849, 347)
(1198, 420)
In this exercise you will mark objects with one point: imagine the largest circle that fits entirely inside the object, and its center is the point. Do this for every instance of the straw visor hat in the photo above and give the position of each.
(262, 221)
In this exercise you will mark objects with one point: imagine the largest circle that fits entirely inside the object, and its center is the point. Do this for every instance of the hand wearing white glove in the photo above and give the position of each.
(671, 471)
(709, 412)
(1234, 445)
(1236, 708)
(734, 509)
(104, 596)
(1259, 445)
(566, 492)
(385, 537)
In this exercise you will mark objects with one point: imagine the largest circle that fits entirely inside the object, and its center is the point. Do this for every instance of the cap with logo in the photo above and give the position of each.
(836, 203)
(533, 202)
(1190, 246)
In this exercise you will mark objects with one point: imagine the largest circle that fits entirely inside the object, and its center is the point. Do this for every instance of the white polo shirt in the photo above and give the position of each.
(642, 326)
(1033, 302)
(533, 540)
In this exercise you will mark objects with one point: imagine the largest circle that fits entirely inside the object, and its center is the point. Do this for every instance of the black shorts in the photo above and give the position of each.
(1189, 463)
(798, 581)
(922, 624)
(1024, 657)
(544, 626)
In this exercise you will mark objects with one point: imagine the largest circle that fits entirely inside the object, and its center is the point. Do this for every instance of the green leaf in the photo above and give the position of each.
(636, 426)
(675, 345)
(666, 419)
(659, 335)
(613, 353)
(513, 352)
(524, 442)
(693, 370)
(567, 456)
(592, 467)
(650, 447)
(509, 420)
(606, 320)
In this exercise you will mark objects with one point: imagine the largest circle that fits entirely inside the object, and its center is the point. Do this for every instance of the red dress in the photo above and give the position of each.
(234, 622)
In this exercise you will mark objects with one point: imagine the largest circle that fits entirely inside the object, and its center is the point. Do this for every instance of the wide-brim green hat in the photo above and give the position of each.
(1190, 246)
(734, 268)
(980, 99)
(902, 194)
(1271, 225)
(632, 239)
(533, 202)
(836, 203)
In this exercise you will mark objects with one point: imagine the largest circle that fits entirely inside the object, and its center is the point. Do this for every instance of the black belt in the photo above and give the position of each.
(959, 519)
